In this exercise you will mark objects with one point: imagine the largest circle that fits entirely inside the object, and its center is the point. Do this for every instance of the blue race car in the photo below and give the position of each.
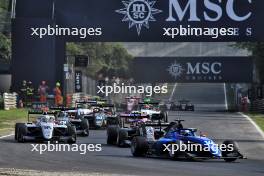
(175, 142)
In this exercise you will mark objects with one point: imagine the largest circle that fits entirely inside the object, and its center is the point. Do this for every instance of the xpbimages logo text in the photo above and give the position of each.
(82, 149)
(141, 13)
(129, 89)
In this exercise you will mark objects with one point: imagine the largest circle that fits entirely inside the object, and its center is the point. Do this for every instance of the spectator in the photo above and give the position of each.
(58, 95)
(117, 80)
(30, 93)
(23, 93)
(43, 92)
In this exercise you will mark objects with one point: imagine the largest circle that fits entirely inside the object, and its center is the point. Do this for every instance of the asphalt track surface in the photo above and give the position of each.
(218, 125)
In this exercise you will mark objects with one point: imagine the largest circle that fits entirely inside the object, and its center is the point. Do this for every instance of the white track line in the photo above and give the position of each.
(173, 91)
(226, 106)
(253, 123)
(2, 137)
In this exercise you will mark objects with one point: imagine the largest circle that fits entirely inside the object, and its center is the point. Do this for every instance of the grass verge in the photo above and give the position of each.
(9, 118)
(258, 118)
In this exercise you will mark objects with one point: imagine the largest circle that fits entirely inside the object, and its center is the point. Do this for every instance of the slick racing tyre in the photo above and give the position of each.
(121, 137)
(139, 146)
(72, 134)
(165, 116)
(85, 127)
(112, 132)
(18, 125)
(21, 132)
(230, 156)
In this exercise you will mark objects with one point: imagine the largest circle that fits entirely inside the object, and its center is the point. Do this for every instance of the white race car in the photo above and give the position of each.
(69, 116)
(45, 128)
(151, 110)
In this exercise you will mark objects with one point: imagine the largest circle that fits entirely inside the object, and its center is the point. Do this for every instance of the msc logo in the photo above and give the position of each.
(138, 13)
(205, 69)
(175, 70)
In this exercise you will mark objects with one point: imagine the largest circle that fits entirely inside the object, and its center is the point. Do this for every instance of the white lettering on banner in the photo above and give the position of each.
(196, 71)
(181, 13)
(191, 5)
(204, 68)
(138, 13)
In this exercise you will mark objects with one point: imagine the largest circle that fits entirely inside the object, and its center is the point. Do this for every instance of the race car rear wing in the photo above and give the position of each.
(157, 124)
(85, 101)
(133, 115)
(148, 103)
(133, 98)
(107, 105)
(62, 108)
(39, 112)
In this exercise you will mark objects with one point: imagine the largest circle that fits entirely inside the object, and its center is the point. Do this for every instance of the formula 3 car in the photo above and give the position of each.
(152, 109)
(45, 128)
(97, 114)
(69, 116)
(183, 105)
(126, 128)
(130, 104)
(174, 136)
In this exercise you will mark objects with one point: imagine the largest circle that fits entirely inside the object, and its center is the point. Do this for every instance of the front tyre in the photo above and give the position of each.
(21, 132)
(121, 137)
(85, 127)
(231, 155)
(139, 146)
(72, 135)
(17, 126)
(112, 133)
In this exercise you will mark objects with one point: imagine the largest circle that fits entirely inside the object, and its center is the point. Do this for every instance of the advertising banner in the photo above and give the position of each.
(148, 20)
(193, 69)
(78, 81)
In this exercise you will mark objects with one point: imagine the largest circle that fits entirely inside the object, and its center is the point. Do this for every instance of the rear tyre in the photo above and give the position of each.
(233, 154)
(164, 116)
(85, 127)
(139, 146)
(72, 135)
(121, 137)
(112, 132)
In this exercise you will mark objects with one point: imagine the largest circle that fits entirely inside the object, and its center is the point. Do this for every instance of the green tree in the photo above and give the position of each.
(257, 49)
(110, 59)
(5, 48)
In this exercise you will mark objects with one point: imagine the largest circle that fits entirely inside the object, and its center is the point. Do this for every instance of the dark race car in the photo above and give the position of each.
(130, 104)
(98, 114)
(127, 127)
(69, 115)
(183, 105)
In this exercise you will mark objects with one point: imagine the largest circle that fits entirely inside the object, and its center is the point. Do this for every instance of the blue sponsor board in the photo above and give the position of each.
(145, 20)
(193, 69)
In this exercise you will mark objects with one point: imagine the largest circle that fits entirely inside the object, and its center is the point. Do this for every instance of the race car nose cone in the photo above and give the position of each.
(47, 130)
